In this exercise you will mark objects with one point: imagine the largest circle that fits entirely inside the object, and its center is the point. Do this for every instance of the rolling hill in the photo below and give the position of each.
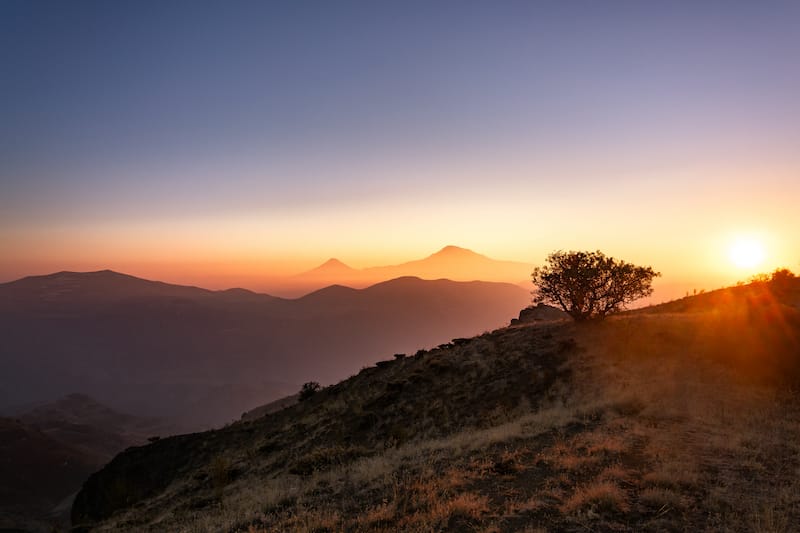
(203, 357)
(94, 429)
(673, 418)
(37, 473)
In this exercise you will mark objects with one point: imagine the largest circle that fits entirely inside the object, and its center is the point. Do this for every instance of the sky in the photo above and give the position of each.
(225, 142)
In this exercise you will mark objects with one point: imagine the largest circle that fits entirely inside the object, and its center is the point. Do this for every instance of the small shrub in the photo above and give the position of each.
(308, 390)
(782, 279)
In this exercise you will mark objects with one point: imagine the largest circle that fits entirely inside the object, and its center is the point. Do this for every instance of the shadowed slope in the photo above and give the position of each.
(648, 421)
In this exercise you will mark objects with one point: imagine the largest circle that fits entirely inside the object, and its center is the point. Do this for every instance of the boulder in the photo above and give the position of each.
(539, 313)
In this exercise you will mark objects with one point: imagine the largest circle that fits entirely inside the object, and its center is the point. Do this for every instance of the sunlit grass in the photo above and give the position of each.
(675, 420)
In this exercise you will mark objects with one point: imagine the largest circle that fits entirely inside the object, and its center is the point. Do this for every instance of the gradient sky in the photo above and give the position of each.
(235, 140)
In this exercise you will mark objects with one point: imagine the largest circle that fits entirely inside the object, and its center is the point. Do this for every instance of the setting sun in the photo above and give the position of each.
(746, 253)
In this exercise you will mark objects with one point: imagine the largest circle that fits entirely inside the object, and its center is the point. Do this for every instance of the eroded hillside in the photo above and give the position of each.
(671, 419)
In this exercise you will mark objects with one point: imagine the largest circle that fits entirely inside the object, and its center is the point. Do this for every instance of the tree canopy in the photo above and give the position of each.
(590, 285)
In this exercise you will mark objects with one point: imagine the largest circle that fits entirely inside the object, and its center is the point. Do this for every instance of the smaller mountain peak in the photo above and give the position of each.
(332, 262)
(331, 267)
(451, 250)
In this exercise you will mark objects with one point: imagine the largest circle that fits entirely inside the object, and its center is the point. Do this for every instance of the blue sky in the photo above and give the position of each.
(312, 120)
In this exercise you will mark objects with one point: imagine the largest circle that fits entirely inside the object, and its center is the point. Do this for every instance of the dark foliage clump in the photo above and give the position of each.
(308, 390)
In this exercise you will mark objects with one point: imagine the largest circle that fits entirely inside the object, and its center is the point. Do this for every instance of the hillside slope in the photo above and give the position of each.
(653, 420)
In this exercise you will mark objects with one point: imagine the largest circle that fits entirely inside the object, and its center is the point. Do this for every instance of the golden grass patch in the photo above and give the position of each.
(597, 496)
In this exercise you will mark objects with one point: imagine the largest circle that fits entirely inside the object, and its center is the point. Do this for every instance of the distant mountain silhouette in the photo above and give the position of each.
(331, 267)
(451, 262)
(37, 472)
(203, 357)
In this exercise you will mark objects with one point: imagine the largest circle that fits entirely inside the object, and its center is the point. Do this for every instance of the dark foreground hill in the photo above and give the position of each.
(203, 357)
(37, 473)
(660, 420)
(46, 455)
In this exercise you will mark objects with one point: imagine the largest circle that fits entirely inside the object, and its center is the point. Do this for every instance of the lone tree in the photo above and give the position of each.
(589, 285)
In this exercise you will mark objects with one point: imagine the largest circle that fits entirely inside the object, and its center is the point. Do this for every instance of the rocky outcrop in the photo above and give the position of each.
(539, 313)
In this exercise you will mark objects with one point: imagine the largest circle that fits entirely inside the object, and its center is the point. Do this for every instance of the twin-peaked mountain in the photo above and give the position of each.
(203, 357)
(451, 262)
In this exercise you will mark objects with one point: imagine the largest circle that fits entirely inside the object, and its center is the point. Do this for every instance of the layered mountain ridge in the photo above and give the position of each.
(451, 262)
(203, 357)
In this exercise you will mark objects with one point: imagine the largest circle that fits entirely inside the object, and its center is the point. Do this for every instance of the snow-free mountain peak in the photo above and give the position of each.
(456, 252)
(331, 267)
(334, 263)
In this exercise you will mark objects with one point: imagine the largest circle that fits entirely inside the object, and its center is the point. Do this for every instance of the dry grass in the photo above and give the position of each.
(672, 474)
(653, 425)
(596, 497)
(661, 499)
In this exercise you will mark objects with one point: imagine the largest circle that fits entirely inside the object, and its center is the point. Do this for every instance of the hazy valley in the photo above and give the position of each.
(202, 357)
(184, 358)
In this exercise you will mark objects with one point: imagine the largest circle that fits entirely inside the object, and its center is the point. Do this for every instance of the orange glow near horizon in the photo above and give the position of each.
(233, 265)
(204, 154)
(687, 240)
